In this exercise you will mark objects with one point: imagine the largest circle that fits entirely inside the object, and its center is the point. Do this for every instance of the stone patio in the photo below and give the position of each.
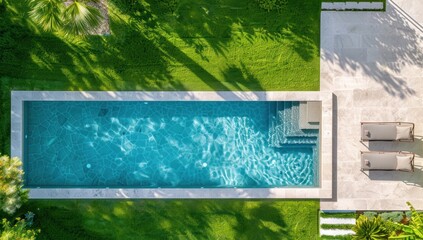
(373, 64)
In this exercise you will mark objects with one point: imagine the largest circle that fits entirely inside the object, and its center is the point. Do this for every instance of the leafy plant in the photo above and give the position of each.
(270, 5)
(370, 229)
(415, 227)
(370, 215)
(29, 217)
(392, 227)
(47, 13)
(17, 231)
(402, 237)
(393, 216)
(76, 18)
(80, 18)
(11, 182)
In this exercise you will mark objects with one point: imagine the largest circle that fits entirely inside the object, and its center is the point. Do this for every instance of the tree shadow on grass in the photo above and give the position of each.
(161, 219)
(60, 221)
(214, 24)
(141, 54)
(240, 78)
(169, 53)
(263, 222)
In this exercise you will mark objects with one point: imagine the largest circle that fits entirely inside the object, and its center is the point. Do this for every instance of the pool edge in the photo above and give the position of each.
(324, 191)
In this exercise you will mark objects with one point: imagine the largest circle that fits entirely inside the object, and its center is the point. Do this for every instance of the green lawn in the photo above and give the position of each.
(199, 45)
(175, 219)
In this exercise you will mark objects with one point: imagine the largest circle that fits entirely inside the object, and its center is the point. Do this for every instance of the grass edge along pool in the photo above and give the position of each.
(168, 144)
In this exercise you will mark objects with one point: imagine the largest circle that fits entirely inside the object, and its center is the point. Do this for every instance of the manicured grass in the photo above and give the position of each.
(337, 226)
(199, 45)
(338, 214)
(347, 237)
(175, 219)
(203, 45)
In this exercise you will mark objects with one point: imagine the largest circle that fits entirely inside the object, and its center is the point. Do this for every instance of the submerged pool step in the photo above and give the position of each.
(293, 116)
(300, 140)
(284, 126)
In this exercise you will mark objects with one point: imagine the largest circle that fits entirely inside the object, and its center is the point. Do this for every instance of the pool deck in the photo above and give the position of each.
(373, 64)
(323, 191)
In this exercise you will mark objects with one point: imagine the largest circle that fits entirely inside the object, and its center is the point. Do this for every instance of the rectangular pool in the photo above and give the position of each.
(167, 144)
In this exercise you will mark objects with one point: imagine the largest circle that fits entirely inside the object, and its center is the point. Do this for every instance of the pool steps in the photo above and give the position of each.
(282, 134)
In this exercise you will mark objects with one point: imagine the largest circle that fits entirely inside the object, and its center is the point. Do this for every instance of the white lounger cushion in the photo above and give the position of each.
(404, 163)
(403, 132)
(379, 132)
(387, 131)
(386, 161)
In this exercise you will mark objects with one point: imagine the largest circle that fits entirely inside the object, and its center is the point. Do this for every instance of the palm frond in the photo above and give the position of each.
(47, 13)
(80, 19)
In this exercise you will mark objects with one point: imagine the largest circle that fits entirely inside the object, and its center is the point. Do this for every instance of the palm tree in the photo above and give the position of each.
(76, 18)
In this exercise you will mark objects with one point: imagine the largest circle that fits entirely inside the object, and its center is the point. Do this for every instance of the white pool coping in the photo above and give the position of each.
(324, 191)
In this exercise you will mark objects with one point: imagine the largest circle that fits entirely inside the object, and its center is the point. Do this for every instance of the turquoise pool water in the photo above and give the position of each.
(168, 144)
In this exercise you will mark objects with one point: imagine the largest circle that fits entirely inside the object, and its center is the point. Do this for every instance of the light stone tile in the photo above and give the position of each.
(342, 83)
(381, 55)
(385, 84)
(347, 41)
(353, 54)
(326, 81)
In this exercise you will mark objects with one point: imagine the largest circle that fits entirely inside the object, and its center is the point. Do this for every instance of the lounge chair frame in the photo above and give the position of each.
(390, 152)
(388, 123)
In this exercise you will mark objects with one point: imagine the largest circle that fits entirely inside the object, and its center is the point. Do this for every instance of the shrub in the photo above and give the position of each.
(270, 5)
(370, 215)
(392, 228)
(392, 216)
(408, 214)
(17, 231)
(415, 227)
(11, 182)
(370, 229)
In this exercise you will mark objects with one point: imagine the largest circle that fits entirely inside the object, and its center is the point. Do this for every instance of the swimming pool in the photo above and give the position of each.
(168, 144)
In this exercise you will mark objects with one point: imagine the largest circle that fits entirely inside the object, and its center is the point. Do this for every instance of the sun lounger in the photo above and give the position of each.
(387, 131)
(387, 161)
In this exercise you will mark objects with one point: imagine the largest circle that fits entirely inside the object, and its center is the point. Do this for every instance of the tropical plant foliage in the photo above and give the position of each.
(76, 18)
(11, 182)
(369, 229)
(47, 13)
(17, 231)
(415, 227)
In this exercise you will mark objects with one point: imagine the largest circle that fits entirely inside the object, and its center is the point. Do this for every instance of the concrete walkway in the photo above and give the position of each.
(373, 64)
